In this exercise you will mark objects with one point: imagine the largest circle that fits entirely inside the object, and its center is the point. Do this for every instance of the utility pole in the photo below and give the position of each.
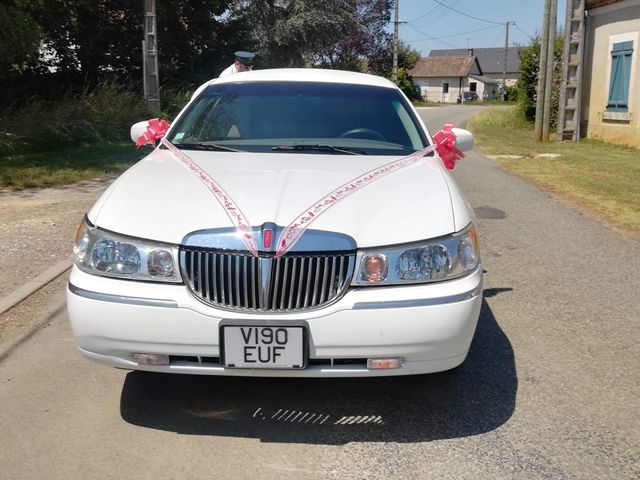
(150, 58)
(394, 72)
(551, 48)
(542, 70)
(506, 56)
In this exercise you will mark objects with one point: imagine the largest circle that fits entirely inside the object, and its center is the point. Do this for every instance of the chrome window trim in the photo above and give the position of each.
(106, 297)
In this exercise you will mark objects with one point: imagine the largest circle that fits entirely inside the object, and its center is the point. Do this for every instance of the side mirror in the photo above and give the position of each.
(464, 139)
(138, 129)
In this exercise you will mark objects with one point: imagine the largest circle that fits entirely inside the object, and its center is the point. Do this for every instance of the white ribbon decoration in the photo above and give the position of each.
(292, 233)
(238, 219)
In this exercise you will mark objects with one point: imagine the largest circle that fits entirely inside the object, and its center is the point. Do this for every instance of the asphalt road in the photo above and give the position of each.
(550, 388)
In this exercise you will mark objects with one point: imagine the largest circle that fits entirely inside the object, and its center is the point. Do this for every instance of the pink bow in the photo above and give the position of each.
(446, 146)
(155, 131)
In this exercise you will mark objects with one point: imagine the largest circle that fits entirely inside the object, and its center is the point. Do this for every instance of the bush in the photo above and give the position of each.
(528, 80)
(172, 100)
(512, 93)
(103, 114)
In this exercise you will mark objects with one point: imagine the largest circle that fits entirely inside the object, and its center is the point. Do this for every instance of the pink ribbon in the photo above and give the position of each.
(155, 131)
(446, 141)
(445, 145)
(292, 233)
(238, 219)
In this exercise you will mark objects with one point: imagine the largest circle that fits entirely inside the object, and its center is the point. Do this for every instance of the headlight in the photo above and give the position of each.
(104, 253)
(429, 261)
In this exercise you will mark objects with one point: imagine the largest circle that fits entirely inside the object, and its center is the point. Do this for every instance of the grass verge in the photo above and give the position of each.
(55, 168)
(598, 177)
(96, 116)
(421, 103)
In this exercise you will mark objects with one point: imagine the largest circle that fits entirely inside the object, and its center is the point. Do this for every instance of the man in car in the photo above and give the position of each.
(243, 63)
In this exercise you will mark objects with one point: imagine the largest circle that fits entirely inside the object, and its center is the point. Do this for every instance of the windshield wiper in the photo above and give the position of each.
(211, 147)
(317, 148)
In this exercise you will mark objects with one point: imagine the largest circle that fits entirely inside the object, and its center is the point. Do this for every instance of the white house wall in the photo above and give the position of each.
(431, 88)
(619, 22)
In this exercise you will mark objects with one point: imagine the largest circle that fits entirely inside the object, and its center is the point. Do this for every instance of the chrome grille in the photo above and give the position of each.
(241, 281)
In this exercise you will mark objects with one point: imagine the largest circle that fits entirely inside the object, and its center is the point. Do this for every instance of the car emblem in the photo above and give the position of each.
(267, 238)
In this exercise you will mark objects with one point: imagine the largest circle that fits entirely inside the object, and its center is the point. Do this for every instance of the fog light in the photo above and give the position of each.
(382, 363)
(375, 268)
(160, 263)
(151, 359)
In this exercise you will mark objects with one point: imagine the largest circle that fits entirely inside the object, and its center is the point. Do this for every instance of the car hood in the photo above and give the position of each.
(160, 199)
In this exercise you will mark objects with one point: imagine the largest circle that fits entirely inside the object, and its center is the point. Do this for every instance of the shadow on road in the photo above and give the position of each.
(477, 397)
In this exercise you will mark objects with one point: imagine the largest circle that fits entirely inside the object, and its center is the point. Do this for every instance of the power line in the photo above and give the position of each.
(430, 36)
(495, 40)
(516, 25)
(467, 15)
(443, 12)
(436, 12)
(422, 16)
(459, 33)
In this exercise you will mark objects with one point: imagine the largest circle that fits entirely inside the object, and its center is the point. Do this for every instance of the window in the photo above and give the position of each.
(261, 115)
(473, 86)
(445, 87)
(620, 77)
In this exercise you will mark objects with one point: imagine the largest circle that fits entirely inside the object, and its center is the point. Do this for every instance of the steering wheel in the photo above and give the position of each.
(366, 133)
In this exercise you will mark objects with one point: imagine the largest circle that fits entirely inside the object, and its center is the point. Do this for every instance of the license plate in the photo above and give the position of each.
(250, 346)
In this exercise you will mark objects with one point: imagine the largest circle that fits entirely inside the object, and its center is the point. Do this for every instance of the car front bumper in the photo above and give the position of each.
(430, 327)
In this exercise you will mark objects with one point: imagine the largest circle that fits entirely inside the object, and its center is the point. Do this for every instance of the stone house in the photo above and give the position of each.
(445, 79)
(610, 98)
(491, 61)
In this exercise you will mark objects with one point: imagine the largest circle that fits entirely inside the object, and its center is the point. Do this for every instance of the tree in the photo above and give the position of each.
(382, 64)
(76, 44)
(355, 47)
(326, 33)
(103, 37)
(19, 37)
(527, 86)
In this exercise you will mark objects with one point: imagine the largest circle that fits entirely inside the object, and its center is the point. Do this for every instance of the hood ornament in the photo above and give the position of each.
(267, 238)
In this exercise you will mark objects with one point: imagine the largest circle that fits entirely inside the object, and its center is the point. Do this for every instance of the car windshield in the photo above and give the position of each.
(300, 117)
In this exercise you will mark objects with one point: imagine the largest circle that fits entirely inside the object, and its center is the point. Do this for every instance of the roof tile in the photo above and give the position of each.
(443, 67)
(491, 60)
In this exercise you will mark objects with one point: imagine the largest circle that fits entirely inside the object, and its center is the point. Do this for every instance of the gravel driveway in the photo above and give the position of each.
(37, 228)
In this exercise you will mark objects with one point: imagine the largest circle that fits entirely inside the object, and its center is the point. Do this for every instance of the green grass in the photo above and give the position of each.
(421, 103)
(599, 177)
(77, 137)
(56, 168)
(499, 102)
(101, 115)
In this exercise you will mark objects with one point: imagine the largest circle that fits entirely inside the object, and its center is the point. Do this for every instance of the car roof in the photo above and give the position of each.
(305, 75)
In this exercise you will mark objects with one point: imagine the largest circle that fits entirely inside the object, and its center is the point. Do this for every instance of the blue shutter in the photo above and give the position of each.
(620, 77)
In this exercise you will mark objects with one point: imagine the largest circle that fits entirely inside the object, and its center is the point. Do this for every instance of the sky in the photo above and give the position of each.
(430, 25)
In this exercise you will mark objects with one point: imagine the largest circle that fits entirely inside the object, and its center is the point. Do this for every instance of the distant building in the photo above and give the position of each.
(491, 60)
(445, 79)
(610, 93)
